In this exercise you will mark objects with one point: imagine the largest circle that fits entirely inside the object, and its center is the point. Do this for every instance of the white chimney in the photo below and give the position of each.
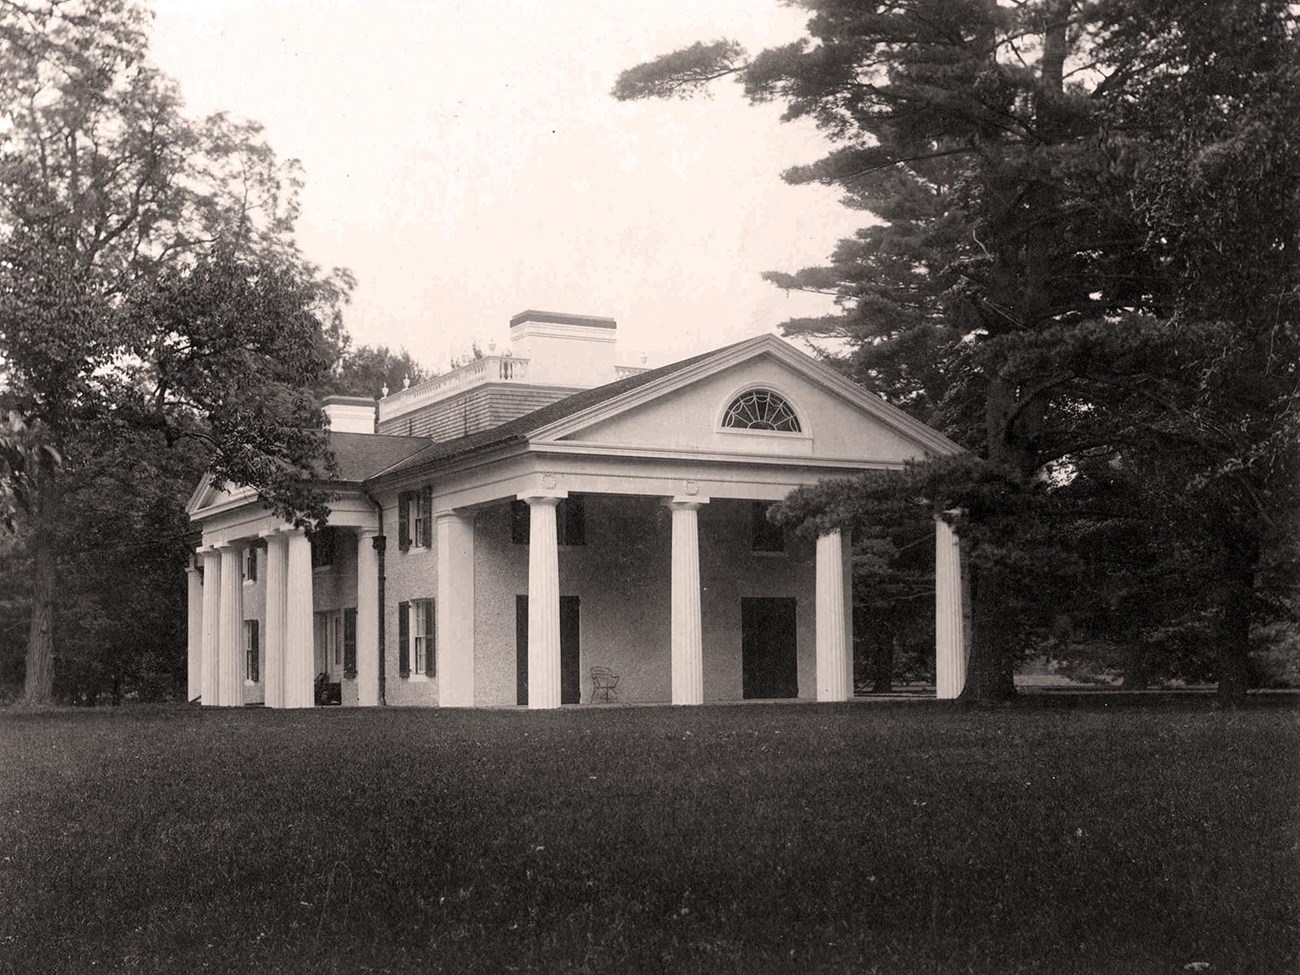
(349, 414)
(564, 349)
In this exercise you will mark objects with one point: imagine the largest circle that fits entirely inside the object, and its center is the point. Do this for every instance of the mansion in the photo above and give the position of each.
(547, 527)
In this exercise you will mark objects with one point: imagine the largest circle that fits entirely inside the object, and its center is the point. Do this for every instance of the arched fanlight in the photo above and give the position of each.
(761, 409)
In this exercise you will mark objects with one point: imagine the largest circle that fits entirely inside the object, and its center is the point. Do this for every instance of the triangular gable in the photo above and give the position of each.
(209, 495)
(682, 410)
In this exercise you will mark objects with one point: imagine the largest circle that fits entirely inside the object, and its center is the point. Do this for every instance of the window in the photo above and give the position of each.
(349, 643)
(570, 521)
(252, 652)
(415, 519)
(250, 563)
(417, 649)
(761, 409)
(323, 543)
(764, 536)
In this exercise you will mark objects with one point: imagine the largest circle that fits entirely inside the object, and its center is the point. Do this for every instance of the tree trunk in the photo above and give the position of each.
(39, 682)
(988, 671)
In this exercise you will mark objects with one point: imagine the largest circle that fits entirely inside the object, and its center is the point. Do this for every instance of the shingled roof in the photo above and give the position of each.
(519, 428)
(360, 456)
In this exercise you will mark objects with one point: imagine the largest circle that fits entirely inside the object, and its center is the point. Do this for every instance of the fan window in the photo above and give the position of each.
(761, 409)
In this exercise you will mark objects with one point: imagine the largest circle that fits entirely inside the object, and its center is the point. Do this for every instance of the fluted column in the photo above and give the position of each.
(949, 613)
(368, 618)
(543, 603)
(277, 554)
(211, 682)
(194, 633)
(299, 658)
(834, 620)
(230, 692)
(455, 541)
(687, 626)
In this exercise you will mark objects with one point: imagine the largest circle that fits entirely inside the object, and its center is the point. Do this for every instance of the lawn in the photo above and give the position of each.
(913, 837)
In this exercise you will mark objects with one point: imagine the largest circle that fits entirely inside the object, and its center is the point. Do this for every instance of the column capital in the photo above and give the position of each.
(683, 503)
(366, 532)
(544, 498)
(227, 546)
(269, 533)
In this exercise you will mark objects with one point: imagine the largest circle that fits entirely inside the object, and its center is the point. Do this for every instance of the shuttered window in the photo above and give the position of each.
(252, 651)
(349, 643)
(404, 639)
(415, 519)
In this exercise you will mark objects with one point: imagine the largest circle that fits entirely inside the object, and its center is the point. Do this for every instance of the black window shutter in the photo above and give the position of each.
(520, 522)
(404, 639)
(431, 640)
(349, 643)
(254, 648)
(404, 520)
(252, 565)
(426, 513)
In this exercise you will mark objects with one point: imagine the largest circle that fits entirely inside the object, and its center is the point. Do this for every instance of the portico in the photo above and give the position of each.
(623, 527)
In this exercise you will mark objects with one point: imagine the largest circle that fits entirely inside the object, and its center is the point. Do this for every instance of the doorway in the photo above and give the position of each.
(768, 647)
(570, 631)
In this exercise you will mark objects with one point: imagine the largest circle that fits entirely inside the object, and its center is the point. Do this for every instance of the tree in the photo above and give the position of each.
(1007, 294)
(149, 282)
(368, 370)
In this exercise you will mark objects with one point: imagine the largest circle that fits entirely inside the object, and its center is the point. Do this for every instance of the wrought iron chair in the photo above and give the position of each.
(604, 682)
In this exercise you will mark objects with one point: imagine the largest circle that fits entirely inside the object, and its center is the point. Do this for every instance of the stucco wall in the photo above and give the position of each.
(412, 574)
(622, 579)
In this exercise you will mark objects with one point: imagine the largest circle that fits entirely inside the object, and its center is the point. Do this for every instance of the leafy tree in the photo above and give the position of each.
(149, 284)
(368, 370)
(1027, 284)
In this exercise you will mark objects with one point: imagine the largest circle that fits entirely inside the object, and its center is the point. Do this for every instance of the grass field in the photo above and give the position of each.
(855, 838)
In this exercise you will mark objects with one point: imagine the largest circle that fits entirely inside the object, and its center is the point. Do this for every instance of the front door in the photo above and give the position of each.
(768, 648)
(570, 675)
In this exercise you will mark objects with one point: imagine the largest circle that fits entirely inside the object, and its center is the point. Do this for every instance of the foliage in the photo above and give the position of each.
(368, 370)
(1083, 268)
(150, 292)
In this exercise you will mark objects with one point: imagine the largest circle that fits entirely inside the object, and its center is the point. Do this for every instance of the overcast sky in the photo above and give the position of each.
(466, 161)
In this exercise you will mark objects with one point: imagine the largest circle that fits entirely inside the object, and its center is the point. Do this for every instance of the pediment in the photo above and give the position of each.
(684, 414)
(209, 496)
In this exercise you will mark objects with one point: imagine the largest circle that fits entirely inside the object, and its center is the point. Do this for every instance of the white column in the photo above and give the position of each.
(277, 554)
(368, 618)
(455, 608)
(211, 682)
(543, 603)
(846, 542)
(949, 613)
(834, 620)
(194, 633)
(230, 693)
(299, 656)
(687, 627)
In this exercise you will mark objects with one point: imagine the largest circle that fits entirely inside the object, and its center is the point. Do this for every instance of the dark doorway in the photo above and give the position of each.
(570, 675)
(768, 648)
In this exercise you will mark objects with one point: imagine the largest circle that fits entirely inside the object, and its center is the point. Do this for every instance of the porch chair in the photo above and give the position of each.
(604, 682)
